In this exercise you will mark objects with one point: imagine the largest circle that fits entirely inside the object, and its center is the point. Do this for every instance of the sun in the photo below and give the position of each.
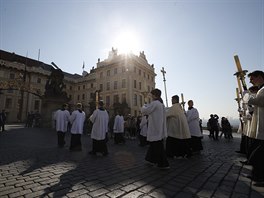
(127, 42)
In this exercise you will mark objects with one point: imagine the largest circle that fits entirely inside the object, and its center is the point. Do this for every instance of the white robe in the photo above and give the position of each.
(193, 122)
(177, 124)
(77, 120)
(143, 126)
(157, 128)
(119, 124)
(62, 117)
(258, 102)
(100, 120)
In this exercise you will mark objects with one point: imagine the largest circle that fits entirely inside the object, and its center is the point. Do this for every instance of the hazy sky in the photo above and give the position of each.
(194, 40)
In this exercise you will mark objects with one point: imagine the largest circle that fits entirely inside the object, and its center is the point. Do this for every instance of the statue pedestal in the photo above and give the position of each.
(49, 106)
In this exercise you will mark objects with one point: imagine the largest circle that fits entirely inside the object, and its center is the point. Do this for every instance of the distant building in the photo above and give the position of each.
(119, 79)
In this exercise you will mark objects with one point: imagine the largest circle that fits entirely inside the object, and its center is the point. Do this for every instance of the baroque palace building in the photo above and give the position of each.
(119, 79)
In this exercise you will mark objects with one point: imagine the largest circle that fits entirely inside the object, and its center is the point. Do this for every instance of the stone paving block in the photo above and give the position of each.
(146, 188)
(98, 192)
(10, 191)
(77, 193)
(115, 193)
(34, 194)
(133, 194)
(20, 193)
(129, 188)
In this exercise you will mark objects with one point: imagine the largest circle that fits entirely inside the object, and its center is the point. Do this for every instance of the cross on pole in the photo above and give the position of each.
(164, 80)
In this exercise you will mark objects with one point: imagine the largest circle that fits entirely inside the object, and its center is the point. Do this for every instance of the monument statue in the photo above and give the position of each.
(55, 85)
(54, 95)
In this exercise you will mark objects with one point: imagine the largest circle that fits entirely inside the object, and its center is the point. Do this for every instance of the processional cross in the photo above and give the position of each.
(164, 80)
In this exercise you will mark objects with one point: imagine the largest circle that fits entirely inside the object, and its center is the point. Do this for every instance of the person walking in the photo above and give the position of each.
(3, 120)
(77, 119)
(256, 158)
(157, 130)
(177, 142)
(119, 129)
(100, 119)
(192, 115)
(62, 117)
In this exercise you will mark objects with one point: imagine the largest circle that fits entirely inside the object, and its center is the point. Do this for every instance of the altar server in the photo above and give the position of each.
(157, 130)
(77, 120)
(193, 122)
(62, 117)
(100, 119)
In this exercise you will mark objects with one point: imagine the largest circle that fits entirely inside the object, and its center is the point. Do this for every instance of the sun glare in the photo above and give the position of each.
(127, 42)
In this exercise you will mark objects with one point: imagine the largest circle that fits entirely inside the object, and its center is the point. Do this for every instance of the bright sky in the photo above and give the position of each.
(194, 40)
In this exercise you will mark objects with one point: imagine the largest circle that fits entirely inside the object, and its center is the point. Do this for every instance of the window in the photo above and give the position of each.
(144, 74)
(78, 97)
(83, 86)
(79, 87)
(123, 69)
(115, 71)
(91, 85)
(39, 80)
(101, 87)
(123, 97)
(8, 103)
(135, 84)
(36, 105)
(139, 72)
(11, 76)
(139, 84)
(83, 97)
(135, 69)
(70, 87)
(123, 83)
(108, 86)
(141, 100)
(101, 74)
(108, 73)
(116, 99)
(135, 100)
(91, 95)
(107, 101)
(70, 97)
(115, 85)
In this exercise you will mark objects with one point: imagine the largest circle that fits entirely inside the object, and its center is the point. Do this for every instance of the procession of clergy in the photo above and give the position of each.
(179, 130)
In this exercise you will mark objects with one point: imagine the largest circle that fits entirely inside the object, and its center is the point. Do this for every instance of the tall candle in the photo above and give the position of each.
(182, 97)
(239, 68)
(239, 85)
(237, 93)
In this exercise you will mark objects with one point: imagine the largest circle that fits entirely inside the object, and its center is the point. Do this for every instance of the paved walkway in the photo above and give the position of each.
(31, 165)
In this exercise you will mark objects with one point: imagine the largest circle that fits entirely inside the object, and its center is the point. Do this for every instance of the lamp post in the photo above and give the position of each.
(164, 80)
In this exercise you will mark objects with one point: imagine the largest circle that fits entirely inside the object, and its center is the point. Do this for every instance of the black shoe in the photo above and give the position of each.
(240, 152)
(259, 184)
(92, 153)
(244, 162)
(246, 175)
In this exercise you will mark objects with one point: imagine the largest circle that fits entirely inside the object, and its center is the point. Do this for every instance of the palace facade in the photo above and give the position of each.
(121, 78)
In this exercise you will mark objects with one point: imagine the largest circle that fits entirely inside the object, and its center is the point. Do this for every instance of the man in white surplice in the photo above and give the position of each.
(100, 119)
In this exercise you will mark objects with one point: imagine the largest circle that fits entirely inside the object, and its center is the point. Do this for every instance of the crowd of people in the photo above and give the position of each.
(33, 119)
(168, 132)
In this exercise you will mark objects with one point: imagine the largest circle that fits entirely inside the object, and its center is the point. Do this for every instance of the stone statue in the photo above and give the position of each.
(54, 86)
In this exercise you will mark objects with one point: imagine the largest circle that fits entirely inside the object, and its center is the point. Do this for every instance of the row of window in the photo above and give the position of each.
(124, 69)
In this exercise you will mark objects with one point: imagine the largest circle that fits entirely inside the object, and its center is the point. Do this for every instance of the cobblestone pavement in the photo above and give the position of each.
(31, 165)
